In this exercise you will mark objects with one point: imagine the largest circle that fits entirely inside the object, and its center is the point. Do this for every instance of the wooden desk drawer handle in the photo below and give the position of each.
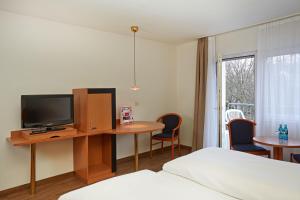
(55, 136)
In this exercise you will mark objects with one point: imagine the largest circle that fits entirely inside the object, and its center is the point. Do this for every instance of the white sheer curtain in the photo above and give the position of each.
(278, 77)
(210, 137)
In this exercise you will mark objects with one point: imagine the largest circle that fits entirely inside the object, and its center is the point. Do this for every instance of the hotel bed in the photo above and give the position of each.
(210, 174)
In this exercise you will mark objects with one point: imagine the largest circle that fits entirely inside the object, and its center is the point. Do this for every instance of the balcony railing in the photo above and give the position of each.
(247, 108)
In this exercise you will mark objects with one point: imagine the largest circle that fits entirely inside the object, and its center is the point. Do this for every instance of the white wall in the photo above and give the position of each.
(39, 56)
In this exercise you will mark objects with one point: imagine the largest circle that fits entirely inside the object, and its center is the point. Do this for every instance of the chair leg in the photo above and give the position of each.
(269, 155)
(172, 154)
(291, 158)
(162, 146)
(179, 146)
(150, 144)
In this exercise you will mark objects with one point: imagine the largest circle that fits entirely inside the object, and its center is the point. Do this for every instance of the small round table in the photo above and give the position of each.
(136, 128)
(277, 144)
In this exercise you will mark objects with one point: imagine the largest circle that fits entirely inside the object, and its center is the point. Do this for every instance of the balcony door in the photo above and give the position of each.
(236, 93)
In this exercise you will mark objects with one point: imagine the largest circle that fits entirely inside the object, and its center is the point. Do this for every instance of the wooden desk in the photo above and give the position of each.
(136, 128)
(17, 139)
(277, 144)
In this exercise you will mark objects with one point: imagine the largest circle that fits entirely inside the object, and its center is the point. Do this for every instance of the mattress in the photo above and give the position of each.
(146, 185)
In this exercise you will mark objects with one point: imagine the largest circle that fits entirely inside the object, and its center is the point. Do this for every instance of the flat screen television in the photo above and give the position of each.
(40, 111)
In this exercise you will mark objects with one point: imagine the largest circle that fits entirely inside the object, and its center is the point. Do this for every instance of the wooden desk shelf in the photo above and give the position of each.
(99, 172)
(93, 157)
(23, 137)
(99, 150)
(95, 114)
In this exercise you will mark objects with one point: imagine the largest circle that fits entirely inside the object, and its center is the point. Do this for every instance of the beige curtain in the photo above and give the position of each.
(201, 76)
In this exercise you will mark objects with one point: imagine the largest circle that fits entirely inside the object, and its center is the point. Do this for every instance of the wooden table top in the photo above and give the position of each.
(275, 142)
(138, 127)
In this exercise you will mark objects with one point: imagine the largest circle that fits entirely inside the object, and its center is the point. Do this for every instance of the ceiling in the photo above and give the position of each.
(171, 21)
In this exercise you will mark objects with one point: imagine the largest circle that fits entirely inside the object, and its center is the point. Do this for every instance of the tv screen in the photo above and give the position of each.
(46, 110)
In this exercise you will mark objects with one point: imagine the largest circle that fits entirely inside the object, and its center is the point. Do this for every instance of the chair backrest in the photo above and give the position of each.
(171, 121)
(233, 114)
(241, 131)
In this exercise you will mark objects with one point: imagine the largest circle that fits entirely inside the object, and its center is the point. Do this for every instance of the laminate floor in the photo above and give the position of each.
(51, 189)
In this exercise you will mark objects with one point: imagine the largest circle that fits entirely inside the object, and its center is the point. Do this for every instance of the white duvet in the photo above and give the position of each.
(240, 175)
(145, 185)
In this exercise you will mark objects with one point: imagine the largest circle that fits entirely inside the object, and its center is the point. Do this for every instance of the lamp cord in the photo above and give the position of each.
(134, 78)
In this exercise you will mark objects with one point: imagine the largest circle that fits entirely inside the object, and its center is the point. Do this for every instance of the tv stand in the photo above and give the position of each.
(47, 129)
(55, 128)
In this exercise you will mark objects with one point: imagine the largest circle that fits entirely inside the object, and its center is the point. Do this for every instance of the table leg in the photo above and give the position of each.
(136, 152)
(150, 144)
(32, 168)
(278, 153)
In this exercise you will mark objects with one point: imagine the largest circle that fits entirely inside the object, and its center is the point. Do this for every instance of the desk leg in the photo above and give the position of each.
(32, 168)
(150, 144)
(278, 153)
(136, 152)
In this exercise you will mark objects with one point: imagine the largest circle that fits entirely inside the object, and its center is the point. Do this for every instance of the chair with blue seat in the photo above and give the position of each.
(170, 133)
(295, 157)
(241, 133)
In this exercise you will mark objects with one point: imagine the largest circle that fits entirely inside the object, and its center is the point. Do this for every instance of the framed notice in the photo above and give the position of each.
(126, 114)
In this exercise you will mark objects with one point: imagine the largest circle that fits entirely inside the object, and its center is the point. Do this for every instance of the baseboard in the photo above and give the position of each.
(43, 181)
(70, 174)
(147, 153)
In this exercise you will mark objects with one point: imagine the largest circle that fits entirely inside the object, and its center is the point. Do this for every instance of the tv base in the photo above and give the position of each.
(30, 137)
(47, 129)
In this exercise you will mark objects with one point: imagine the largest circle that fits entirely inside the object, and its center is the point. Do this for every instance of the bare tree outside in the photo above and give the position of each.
(240, 85)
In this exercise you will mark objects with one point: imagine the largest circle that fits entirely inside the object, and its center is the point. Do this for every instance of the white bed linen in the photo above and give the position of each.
(146, 185)
(240, 175)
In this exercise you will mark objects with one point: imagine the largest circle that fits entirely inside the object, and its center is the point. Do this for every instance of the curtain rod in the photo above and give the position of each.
(258, 24)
